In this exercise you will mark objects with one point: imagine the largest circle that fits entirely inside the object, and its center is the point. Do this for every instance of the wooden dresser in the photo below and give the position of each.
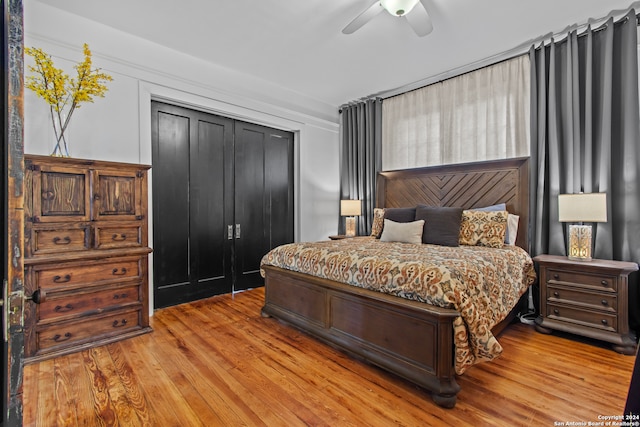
(588, 298)
(86, 254)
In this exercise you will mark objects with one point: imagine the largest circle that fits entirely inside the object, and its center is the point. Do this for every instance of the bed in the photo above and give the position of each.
(401, 334)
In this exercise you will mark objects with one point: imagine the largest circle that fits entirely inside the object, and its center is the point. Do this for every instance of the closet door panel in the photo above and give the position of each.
(250, 244)
(279, 188)
(210, 215)
(170, 202)
(191, 187)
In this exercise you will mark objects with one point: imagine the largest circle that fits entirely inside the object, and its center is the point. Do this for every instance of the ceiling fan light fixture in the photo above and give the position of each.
(398, 7)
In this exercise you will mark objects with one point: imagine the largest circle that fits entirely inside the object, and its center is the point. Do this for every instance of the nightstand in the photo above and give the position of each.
(587, 298)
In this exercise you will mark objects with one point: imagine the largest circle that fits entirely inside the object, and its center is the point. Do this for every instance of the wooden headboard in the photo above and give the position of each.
(466, 185)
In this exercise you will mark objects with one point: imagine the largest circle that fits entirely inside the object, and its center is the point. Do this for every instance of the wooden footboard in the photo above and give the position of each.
(408, 338)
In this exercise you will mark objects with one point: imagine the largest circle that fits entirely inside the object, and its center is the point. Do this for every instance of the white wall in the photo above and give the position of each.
(118, 127)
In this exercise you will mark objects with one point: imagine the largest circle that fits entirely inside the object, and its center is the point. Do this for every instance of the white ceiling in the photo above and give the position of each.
(298, 44)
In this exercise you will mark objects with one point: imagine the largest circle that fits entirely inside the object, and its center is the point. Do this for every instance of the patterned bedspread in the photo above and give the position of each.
(483, 284)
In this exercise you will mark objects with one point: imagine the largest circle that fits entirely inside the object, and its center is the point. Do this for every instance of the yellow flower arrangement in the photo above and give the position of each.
(62, 93)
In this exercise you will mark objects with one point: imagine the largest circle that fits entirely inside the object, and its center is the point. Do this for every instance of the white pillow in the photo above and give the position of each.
(407, 232)
(512, 229)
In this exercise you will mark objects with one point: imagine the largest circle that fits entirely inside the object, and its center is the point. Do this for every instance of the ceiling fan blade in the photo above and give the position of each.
(363, 18)
(419, 20)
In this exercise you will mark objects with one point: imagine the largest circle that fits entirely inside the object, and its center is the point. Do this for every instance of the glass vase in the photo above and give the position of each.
(61, 137)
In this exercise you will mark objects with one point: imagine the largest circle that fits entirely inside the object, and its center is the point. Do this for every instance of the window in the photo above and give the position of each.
(481, 115)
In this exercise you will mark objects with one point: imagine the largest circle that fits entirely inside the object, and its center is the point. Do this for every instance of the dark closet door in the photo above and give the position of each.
(222, 198)
(192, 204)
(263, 197)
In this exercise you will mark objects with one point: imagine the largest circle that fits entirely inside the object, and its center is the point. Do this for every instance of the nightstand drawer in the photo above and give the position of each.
(594, 300)
(605, 321)
(593, 281)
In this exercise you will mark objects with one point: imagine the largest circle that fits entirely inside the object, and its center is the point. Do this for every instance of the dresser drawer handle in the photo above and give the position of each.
(120, 296)
(556, 294)
(604, 283)
(119, 271)
(604, 321)
(119, 324)
(556, 311)
(61, 241)
(556, 276)
(61, 309)
(119, 237)
(60, 338)
(604, 302)
(62, 279)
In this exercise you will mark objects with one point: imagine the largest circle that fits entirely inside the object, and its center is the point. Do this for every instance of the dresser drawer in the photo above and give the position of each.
(87, 329)
(605, 321)
(110, 236)
(74, 275)
(594, 281)
(598, 301)
(58, 240)
(55, 308)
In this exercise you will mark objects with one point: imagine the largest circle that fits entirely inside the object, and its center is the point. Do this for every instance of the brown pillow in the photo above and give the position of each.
(400, 214)
(441, 224)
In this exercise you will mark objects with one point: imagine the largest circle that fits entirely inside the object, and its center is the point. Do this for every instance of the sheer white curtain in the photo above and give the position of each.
(480, 115)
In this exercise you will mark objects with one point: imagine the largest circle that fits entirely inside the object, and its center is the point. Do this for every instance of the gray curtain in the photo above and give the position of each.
(585, 137)
(361, 159)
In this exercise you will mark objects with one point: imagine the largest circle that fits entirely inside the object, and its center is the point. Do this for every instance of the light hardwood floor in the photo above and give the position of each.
(217, 362)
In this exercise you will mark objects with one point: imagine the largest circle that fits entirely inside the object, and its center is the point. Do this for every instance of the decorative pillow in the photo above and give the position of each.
(441, 224)
(400, 214)
(407, 232)
(512, 222)
(378, 222)
(483, 228)
(512, 229)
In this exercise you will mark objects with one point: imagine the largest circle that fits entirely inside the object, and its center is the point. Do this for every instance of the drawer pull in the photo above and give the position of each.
(604, 283)
(604, 302)
(61, 309)
(60, 338)
(119, 271)
(62, 279)
(556, 276)
(119, 237)
(604, 321)
(120, 323)
(556, 294)
(120, 296)
(556, 311)
(61, 241)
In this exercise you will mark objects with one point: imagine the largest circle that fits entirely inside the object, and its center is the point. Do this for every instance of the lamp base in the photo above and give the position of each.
(580, 242)
(350, 226)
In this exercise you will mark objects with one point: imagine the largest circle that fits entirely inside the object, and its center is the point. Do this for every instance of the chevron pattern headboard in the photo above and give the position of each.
(467, 185)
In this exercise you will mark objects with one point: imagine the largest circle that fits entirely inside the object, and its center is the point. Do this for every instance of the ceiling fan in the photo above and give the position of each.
(417, 17)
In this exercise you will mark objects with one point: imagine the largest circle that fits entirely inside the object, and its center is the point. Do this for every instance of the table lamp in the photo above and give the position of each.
(350, 209)
(580, 208)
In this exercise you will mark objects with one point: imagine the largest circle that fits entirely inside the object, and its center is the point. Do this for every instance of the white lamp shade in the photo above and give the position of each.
(583, 207)
(398, 7)
(350, 207)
